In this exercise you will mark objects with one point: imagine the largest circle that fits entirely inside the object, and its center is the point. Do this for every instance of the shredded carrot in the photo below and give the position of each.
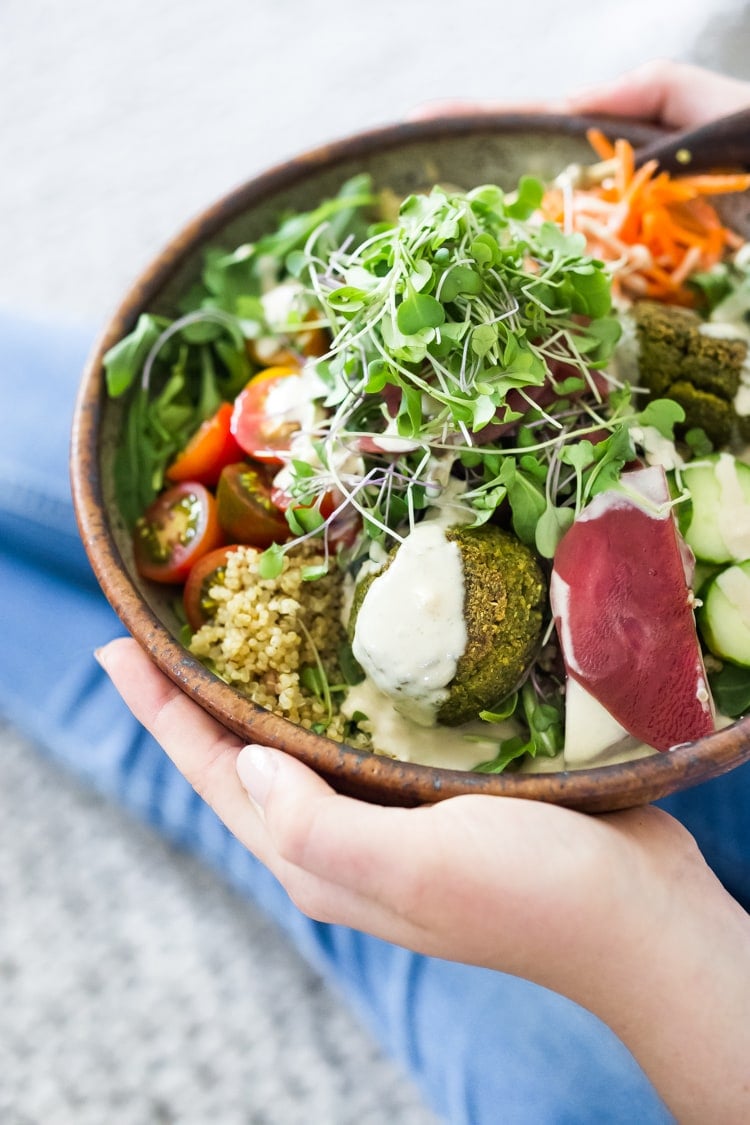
(716, 184)
(603, 147)
(674, 227)
(624, 166)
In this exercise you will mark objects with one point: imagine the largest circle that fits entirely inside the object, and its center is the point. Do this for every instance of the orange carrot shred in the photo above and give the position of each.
(671, 221)
(603, 147)
(625, 165)
(716, 184)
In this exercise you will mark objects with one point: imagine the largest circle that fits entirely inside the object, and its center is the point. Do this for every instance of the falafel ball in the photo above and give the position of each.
(504, 603)
(700, 371)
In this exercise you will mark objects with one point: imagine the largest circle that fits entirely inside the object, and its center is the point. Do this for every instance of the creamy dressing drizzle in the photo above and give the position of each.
(297, 398)
(657, 449)
(734, 583)
(734, 328)
(446, 747)
(279, 303)
(410, 629)
(733, 516)
(742, 398)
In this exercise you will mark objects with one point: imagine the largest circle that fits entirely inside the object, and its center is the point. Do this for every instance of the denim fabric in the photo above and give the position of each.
(483, 1047)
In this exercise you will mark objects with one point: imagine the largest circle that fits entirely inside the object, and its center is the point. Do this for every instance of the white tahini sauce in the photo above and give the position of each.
(410, 630)
(280, 302)
(657, 449)
(742, 398)
(450, 748)
(734, 511)
(734, 583)
(296, 398)
(731, 324)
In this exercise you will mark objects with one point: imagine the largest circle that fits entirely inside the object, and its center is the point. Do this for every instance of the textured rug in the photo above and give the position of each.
(136, 989)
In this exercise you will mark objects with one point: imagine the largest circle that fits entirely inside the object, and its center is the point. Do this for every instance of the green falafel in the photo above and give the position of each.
(504, 603)
(677, 360)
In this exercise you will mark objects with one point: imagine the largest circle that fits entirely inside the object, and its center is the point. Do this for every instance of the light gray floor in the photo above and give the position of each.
(118, 123)
(136, 989)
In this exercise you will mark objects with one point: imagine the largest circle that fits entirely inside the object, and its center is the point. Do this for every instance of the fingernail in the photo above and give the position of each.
(100, 656)
(256, 768)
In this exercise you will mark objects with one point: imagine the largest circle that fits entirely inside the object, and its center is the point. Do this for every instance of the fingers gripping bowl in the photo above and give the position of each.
(401, 160)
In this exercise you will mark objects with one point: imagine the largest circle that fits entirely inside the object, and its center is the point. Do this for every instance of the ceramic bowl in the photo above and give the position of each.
(465, 151)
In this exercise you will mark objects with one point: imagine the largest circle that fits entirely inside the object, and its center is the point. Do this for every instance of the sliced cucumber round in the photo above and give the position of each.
(724, 617)
(718, 530)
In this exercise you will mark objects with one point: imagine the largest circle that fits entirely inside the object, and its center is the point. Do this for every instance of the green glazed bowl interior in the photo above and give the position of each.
(465, 151)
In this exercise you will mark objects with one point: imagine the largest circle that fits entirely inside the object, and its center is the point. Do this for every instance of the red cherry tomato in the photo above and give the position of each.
(258, 426)
(247, 512)
(211, 447)
(203, 575)
(181, 525)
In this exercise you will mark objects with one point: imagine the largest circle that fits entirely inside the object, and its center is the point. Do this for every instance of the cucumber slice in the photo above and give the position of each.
(719, 527)
(724, 617)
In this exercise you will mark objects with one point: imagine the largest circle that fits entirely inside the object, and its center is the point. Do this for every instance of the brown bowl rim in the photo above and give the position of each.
(357, 772)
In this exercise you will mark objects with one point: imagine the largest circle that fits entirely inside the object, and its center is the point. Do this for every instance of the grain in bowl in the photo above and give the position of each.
(277, 639)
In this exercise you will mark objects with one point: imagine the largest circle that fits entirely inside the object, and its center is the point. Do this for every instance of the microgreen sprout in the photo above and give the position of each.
(469, 346)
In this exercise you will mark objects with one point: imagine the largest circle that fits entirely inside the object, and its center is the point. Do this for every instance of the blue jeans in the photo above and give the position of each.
(483, 1046)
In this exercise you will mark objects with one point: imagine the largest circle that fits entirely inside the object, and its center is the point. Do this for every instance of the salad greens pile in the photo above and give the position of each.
(190, 365)
(462, 306)
(469, 339)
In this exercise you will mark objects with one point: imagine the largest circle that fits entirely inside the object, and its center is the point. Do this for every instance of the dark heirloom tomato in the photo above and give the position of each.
(259, 429)
(204, 574)
(343, 530)
(247, 512)
(211, 447)
(181, 525)
(326, 504)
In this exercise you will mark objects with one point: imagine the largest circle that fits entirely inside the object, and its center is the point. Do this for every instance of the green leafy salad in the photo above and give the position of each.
(432, 410)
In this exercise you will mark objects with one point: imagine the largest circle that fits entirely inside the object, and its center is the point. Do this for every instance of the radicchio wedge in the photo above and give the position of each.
(623, 608)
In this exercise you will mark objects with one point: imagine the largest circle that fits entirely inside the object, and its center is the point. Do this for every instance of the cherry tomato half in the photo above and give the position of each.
(207, 570)
(247, 513)
(181, 525)
(211, 447)
(259, 424)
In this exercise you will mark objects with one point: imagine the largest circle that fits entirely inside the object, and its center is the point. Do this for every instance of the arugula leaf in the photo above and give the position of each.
(229, 277)
(510, 749)
(505, 712)
(125, 359)
(350, 668)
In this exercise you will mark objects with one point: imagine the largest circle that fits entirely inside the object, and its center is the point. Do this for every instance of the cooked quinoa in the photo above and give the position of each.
(261, 635)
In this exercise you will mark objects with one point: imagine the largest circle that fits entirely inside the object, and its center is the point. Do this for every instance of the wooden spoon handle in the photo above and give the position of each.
(720, 144)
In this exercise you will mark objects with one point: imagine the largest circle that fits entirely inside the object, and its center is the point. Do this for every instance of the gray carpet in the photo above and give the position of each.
(134, 988)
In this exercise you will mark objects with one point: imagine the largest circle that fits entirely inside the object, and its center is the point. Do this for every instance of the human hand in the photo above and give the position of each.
(477, 879)
(672, 94)
(619, 912)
